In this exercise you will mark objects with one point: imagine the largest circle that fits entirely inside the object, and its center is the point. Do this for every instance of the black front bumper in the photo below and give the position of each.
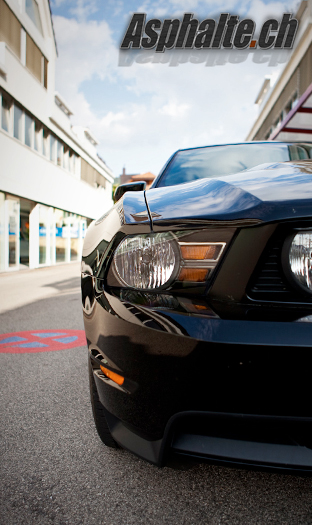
(224, 390)
(233, 439)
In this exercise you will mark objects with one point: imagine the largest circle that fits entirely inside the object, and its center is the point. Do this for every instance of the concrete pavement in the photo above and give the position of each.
(55, 470)
(19, 288)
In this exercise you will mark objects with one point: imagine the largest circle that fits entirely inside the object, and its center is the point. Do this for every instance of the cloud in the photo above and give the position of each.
(189, 106)
(159, 108)
(207, 8)
(86, 50)
(57, 3)
(260, 11)
(173, 109)
(83, 9)
(117, 7)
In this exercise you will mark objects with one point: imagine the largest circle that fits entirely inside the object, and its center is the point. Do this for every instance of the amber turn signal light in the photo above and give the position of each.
(197, 275)
(198, 252)
(113, 376)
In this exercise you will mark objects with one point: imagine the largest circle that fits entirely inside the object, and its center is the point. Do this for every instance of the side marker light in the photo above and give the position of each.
(113, 376)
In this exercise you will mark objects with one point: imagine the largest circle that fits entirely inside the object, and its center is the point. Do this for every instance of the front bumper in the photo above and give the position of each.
(275, 443)
(234, 391)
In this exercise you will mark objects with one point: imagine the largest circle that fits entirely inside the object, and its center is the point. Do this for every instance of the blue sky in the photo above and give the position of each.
(143, 111)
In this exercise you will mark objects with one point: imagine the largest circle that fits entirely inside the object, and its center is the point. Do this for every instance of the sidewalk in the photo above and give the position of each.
(25, 286)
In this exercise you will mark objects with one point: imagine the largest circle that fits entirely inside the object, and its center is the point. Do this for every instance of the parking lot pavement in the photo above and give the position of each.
(26, 286)
(55, 470)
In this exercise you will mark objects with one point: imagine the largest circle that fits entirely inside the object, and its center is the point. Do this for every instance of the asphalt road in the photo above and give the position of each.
(55, 470)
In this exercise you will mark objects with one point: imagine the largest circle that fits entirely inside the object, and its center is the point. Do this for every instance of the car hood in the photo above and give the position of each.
(267, 192)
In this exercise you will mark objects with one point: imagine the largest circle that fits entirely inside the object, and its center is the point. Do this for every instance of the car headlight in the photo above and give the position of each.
(146, 261)
(300, 260)
(159, 260)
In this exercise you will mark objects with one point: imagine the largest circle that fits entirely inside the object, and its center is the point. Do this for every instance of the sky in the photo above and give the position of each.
(143, 106)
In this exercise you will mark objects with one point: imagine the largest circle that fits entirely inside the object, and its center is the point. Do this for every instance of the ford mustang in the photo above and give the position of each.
(197, 304)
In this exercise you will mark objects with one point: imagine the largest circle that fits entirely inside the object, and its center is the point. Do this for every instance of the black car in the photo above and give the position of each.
(197, 303)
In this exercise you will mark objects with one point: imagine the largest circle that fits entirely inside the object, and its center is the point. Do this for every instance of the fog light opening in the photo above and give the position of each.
(298, 260)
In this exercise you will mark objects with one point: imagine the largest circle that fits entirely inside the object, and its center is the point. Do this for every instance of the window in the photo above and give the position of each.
(59, 153)
(33, 58)
(290, 104)
(14, 226)
(18, 126)
(38, 136)
(5, 114)
(28, 130)
(52, 148)
(287, 108)
(61, 243)
(65, 157)
(88, 173)
(34, 134)
(91, 175)
(294, 100)
(71, 161)
(216, 161)
(74, 238)
(45, 72)
(298, 152)
(10, 29)
(44, 227)
(46, 142)
(100, 180)
(32, 9)
(74, 163)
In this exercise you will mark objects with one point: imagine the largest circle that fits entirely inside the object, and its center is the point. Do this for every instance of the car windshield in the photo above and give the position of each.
(216, 161)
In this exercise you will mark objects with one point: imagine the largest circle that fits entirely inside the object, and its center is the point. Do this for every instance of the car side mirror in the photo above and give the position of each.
(131, 186)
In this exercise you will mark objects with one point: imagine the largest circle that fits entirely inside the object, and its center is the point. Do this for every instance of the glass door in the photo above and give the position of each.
(61, 241)
(74, 239)
(13, 217)
(43, 234)
(24, 238)
(3, 239)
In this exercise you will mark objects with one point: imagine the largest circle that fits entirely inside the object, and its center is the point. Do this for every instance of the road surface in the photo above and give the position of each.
(55, 470)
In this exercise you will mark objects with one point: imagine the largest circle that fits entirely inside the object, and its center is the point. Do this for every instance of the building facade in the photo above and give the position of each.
(52, 181)
(285, 106)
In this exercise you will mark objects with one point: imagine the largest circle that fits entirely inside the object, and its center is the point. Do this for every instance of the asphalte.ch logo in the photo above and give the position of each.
(189, 33)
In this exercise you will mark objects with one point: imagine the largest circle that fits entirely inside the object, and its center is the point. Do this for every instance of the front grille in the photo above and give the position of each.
(268, 282)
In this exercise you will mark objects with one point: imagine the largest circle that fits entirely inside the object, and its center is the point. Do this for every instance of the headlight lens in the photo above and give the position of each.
(169, 260)
(300, 259)
(146, 261)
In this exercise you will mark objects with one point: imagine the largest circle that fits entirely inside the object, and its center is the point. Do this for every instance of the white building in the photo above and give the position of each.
(52, 182)
(285, 103)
